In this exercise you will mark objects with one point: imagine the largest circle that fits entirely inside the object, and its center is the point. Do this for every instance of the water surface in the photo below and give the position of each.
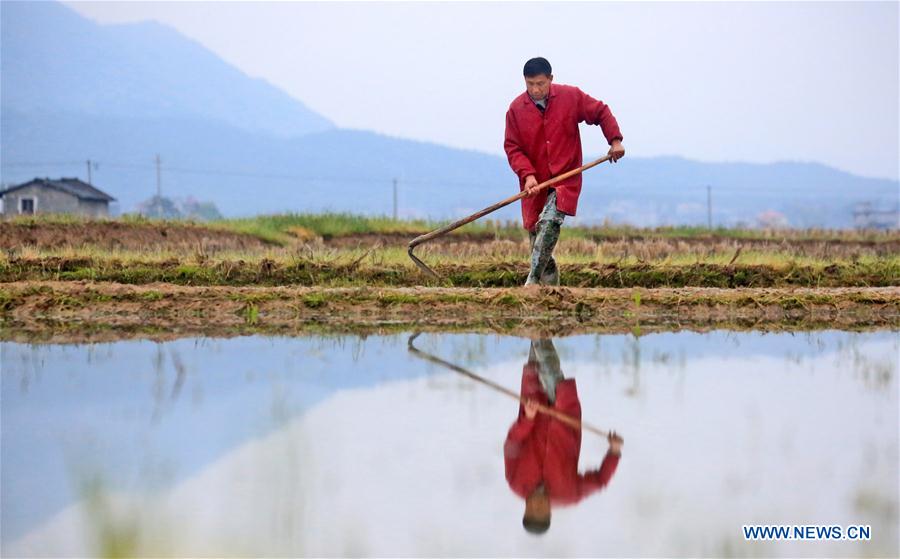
(353, 446)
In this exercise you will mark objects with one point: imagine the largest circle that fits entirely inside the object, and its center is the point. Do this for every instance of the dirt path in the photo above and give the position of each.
(65, 311)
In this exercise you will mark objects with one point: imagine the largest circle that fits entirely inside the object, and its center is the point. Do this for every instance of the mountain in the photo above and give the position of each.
(246, 173)
(121, 94)
(54, 60)
(350, 170)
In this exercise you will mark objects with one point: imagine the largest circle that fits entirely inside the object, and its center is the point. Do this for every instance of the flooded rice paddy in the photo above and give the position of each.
(336, 446)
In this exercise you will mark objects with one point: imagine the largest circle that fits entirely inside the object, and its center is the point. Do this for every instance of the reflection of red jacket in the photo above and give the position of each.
(545, 449)
(548, 144)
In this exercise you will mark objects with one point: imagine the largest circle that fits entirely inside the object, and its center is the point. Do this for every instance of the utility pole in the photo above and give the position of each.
(395, 199)
(158, 181)
(89, 171)
(709, 207)
(159, 204)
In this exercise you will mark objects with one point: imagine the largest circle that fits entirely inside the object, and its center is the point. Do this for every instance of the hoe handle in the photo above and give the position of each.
(459, 223)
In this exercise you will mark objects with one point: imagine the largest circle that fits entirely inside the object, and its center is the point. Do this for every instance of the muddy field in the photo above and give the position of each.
(110, 279)
(301, 270)
(192, 238)
(646, 248)
(188, 254)
(117, 235)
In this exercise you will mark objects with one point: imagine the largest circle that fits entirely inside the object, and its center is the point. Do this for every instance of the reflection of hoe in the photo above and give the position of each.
(459, 223)
(568, 420)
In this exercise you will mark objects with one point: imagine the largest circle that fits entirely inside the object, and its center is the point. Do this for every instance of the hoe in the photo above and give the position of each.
(459, 223)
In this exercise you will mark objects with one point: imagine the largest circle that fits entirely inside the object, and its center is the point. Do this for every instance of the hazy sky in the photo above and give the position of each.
(756, 82)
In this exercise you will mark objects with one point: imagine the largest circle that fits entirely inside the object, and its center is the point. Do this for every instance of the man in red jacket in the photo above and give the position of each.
(542, 141)
(541, 453)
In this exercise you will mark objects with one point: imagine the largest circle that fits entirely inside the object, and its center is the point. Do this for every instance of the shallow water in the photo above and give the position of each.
(352, 446)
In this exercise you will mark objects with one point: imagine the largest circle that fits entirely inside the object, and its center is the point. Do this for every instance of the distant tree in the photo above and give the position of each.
(192, 208)
(771, 219)
(159, 207)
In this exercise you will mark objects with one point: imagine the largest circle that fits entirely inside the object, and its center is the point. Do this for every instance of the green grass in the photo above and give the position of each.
(589, 257)
(276, 228)
(340, 269)
(72, 219)
(282, 229)
(315, 301)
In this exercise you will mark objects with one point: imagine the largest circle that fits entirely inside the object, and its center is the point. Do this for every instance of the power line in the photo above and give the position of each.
(655, 188)
(256, 175)
(41, 164)
(273, 176)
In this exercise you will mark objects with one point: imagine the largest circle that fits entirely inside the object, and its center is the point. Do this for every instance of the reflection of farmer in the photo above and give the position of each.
(541, 452)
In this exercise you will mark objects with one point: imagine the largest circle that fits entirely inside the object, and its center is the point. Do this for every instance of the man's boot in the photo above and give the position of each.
(543, 267)
(543, 241)
(551, 273)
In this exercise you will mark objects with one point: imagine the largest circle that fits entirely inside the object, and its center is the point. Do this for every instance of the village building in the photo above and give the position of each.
(56, 196)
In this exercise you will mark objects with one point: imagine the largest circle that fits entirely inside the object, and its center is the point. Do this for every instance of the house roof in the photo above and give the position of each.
(74, 186)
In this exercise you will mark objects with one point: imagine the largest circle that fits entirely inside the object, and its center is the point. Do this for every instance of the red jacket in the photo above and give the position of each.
(546, 450)
(546, 145)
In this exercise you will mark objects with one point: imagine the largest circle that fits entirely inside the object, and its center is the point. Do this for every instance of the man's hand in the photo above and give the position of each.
(530, 183)
(616, 151)
(531, 409)
(615, 443)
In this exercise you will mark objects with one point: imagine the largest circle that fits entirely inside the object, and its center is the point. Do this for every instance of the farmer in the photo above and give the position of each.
(542, 141)
(541, 453)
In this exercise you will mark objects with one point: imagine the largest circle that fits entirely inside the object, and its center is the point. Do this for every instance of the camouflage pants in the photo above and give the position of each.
(543, 241)
(544, 354)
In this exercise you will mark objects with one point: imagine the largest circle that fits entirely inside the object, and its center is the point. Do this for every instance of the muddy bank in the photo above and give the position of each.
(646, 247)
(111, 235)
(299, 271)
(192, 237)
(355, 240)
(62, 311)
